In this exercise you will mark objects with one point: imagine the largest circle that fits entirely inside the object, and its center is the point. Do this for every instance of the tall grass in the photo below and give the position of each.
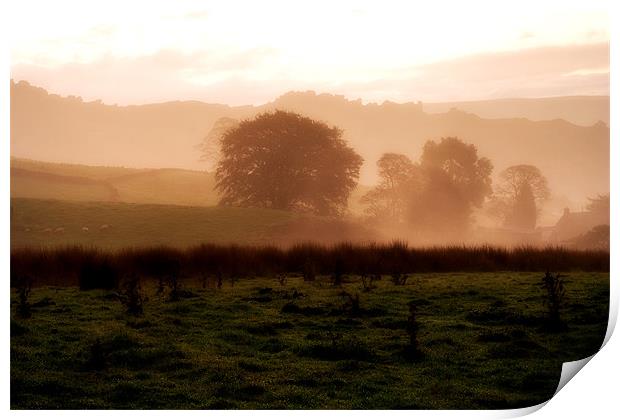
(64, 266)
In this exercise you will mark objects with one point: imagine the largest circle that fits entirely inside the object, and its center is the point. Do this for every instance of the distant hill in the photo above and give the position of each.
(33, 184)
(47, 180)
(66, 129)
(61, 181)
(580, 110)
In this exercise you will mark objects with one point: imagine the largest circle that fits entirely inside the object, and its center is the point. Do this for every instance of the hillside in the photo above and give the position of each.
(580, 110)
(61, 181)
(49, 127)
(46, 180)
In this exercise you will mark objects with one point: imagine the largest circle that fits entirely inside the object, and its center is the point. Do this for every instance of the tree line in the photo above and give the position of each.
(283, 160)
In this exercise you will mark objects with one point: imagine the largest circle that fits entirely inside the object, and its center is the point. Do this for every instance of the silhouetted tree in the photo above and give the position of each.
(283, 160)
(524, 213)
(519, 195)
(398, 177)
(455, 181)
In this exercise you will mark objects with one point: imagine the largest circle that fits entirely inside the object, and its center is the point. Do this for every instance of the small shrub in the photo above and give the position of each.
(399, 279)
(368, 282)
(161, 286)
(413, 349)
(554, 297)
(175, 286)
(309, 271)
(132, 296)
(351, 303)
(23, 306)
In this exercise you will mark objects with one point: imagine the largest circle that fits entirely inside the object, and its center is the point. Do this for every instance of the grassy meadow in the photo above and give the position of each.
(272, 343)
(52, 223)
(136, 225)
(60, 181)
(274, 321)
(83, 183)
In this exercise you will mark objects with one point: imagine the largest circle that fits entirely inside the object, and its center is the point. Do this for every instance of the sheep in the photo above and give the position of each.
(27, 230)
(85, 229)
(105, 227)
(47, 230)
(59, 230)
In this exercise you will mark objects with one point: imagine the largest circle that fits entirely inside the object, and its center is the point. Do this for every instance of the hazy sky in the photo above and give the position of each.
(249, 52)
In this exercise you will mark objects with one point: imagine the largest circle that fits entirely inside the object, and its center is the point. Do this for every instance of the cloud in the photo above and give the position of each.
(537, 72)
(258, 75)
(164, 76)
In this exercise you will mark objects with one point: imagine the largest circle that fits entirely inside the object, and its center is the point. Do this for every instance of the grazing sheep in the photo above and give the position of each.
(59, 230)
(84, 229)
(105, 227)
(27, 230)
(47, 230)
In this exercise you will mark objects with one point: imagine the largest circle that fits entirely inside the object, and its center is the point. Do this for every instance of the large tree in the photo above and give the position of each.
(519, 195)
(456, 181)
(459, 161)
(398, 177)
(284, 160)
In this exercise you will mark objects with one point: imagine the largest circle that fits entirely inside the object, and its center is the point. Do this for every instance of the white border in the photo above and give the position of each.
(592, 394)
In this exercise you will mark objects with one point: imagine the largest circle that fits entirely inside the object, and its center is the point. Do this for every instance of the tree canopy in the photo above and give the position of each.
(283, 160)
(520, 192)
(456, 181)
(398, 175)
(435, 196)
(469, 174)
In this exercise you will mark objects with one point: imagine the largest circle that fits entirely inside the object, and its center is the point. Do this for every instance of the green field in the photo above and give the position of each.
(60, 181)
(260, 344)
(172, 186)
(34, 223)
(136, 225)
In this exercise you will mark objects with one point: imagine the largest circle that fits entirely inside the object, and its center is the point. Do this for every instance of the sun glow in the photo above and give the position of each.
(340, 47)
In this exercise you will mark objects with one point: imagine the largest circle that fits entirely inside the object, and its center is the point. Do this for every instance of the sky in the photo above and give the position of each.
(250, 52)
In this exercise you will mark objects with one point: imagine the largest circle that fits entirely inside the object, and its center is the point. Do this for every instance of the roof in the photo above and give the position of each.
(573, 224)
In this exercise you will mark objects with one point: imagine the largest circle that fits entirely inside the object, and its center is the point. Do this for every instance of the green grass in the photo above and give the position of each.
(483, 339)
(59, 188)
(136, 225)
(63, 181)
(60, 181)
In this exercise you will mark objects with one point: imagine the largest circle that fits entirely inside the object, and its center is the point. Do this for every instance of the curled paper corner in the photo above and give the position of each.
(520, 412)
(569, 370)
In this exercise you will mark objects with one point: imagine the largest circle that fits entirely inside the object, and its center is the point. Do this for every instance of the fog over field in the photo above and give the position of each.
(306, 205)
(574, 158)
